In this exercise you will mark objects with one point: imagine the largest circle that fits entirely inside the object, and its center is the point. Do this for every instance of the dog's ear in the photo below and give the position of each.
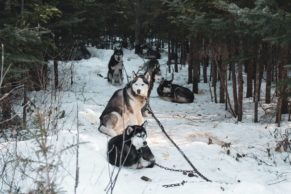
(145, 124)
(129, 130)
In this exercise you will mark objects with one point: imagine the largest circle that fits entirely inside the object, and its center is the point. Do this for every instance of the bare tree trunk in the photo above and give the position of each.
(229, 71)
(278, 112)
(268, 77)
(190, 63)
(234, 88)
(196, 65)
(240, 92)
(169, 55)
(257, 93)
(214, 79)
(249, 69)
(175, 44)
(205, 65)
(183, 52)
(289, 111)
(250, 76)
(56, 74)
(25, 101)
(222, 75)
(228, 102)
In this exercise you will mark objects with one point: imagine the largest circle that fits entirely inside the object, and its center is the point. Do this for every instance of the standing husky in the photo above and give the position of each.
(151, 67)
(130, 148)
(115, 68)
(124, 107)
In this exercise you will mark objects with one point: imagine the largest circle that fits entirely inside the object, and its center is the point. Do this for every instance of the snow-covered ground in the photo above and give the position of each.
(244, 167)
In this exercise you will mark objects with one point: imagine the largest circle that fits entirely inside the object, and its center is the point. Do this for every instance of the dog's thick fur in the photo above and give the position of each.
(174, 93)
(115, 68)
(124, 107)
(130, 149)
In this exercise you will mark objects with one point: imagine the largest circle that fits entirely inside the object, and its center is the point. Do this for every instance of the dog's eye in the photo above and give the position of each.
(142, 84)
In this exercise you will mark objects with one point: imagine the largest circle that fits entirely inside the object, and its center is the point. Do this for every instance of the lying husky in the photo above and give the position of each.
(115, 68)
(124, 107)
(130, 149)
(174, 93)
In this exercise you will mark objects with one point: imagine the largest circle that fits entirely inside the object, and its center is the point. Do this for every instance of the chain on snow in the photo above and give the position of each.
(175, 184)
(190, 173)
(178, 148)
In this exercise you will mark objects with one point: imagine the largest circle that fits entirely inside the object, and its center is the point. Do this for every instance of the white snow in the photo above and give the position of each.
(190, 126)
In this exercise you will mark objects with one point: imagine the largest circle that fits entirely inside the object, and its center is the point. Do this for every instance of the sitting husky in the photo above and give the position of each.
(124, 107)
(115, 68)
(130, 149)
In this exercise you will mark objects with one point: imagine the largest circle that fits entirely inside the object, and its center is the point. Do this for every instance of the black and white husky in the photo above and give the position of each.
(130, 149)
(173, 92)
(115, 68)
(124, 107)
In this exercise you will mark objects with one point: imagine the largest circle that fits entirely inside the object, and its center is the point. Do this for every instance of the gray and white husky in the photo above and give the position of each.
(124, 107)
(115, 68)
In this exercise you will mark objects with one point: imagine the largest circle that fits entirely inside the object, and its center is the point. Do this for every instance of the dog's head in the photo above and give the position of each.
(137, 134)
(118, 55)
(165, 86)
(140, 84)
(153, 67)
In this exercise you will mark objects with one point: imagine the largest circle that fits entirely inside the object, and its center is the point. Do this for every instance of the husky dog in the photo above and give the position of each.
(174, 92)
(153, 52)
(115, 68)
(130, 149)
(151, 67)
(124, 107)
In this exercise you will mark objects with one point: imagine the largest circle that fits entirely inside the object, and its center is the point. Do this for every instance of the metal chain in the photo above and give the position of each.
(175, 184)
(176, 170)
